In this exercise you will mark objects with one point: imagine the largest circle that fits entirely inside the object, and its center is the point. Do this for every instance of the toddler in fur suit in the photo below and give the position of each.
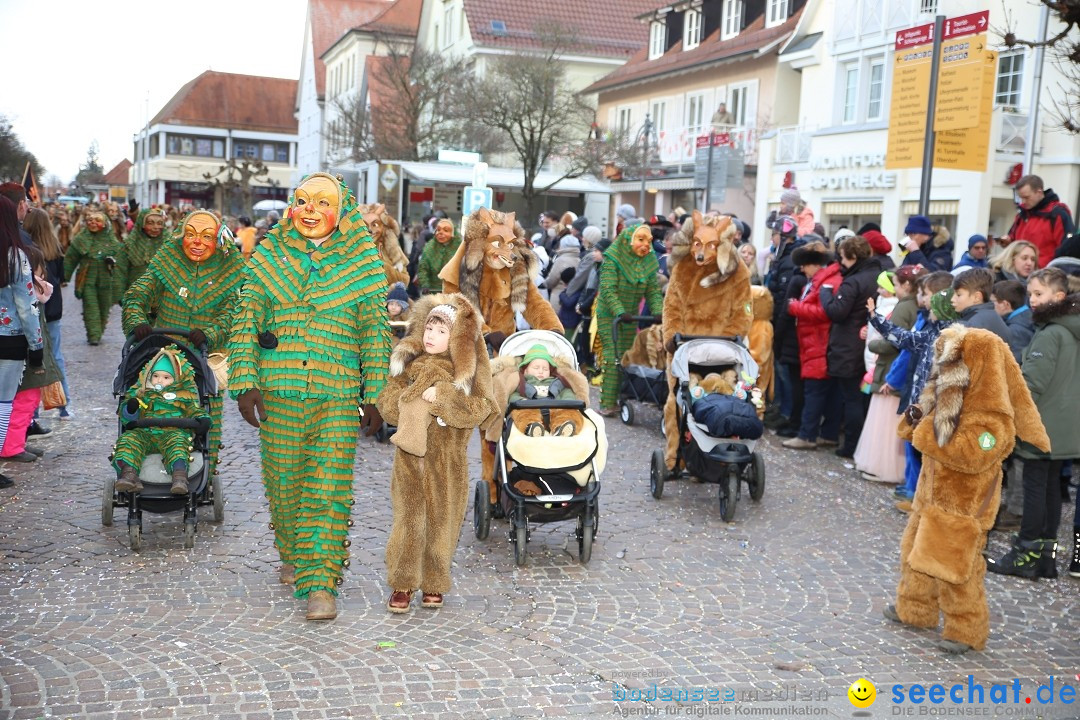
(439, 391)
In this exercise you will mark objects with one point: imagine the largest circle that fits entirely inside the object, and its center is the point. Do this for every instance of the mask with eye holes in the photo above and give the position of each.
(499, 250)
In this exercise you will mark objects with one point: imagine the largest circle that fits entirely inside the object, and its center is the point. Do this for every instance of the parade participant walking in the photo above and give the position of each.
(628, 275)
(193, 283)
(439, 390)
(311, 341)
(92, 260)
(139, 247)
(20, 328)
(435, 255)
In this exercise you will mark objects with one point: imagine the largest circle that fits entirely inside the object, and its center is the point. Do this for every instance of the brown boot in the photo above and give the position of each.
(321, 605)
(179, 482)
(431, 600)
(287, 574)
(128, 481)
(400, 601)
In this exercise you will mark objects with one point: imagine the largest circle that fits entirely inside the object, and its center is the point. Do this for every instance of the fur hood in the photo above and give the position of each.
(1066, 313)
(468, 354)
(466, 268)
(974, 386)
(681, 241)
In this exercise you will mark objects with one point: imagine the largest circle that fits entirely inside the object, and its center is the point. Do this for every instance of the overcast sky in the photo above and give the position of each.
(88, 67)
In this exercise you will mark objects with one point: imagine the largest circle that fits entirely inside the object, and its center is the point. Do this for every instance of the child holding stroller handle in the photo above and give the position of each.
(438, 392)
(165, 389)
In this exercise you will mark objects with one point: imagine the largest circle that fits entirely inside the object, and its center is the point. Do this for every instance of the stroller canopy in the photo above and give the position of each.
(712, 353)
(555, 343)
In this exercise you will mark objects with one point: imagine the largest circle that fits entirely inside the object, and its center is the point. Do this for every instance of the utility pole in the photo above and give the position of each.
(646, 134)
(1036, 87)
(931, 111)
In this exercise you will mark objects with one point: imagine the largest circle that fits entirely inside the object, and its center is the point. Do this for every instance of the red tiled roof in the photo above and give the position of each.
(401, 18)
(711, 50)
(605, 28)
(119, 174)
(228, 100)
(329, 20)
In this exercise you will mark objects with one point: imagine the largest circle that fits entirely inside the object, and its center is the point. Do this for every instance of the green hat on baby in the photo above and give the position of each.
(163, 364)
(537, 352)
(941, 305)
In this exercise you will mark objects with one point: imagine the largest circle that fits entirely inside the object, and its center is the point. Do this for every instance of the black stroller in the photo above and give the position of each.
(156, 496)
(640, 383)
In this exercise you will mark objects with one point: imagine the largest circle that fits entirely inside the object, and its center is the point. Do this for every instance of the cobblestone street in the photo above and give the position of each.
(787, 599)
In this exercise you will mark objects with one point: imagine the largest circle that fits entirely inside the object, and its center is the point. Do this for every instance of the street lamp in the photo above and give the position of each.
(647, 139)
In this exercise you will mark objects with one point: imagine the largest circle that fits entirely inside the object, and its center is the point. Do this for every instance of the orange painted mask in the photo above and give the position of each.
(316, 206)
(641, 241)
(153, 225)
(373, 220)
(200, 237)
(95, 222)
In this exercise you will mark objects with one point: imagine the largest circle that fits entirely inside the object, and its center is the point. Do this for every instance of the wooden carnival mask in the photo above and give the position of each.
(373, 219)
(200, 237)
(705, 241)
(444, 231)
(153, 225)
(499, 252)
(316, 207)
(95, 222)
(641, 241)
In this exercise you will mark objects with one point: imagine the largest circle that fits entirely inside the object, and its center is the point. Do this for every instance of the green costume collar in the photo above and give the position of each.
(633, 268)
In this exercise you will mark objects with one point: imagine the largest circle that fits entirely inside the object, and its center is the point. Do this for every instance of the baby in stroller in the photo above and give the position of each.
(540, 378)
(165, 388)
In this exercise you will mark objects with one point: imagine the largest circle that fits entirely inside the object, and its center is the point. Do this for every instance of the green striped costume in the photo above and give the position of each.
(625, 279)
(94, 283)
(326, 306)
(136, 252)
(179, 400)
(433, 259)
(175, 292)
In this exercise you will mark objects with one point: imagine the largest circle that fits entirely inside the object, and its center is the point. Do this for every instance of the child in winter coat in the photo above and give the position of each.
(439, 391)
(165, 389)
(1051, 370)
(1010, 302)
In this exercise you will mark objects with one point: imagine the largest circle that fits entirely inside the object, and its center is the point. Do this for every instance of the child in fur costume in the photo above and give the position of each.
(971, 411)
(540, 379)
(439, 391)
(165, 389)
(761, 338)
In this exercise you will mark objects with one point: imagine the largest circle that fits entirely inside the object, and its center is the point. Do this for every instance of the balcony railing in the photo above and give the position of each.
(679, 146)
(1014, 127)
(792, 145)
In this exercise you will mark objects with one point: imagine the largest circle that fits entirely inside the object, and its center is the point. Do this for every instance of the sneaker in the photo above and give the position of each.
(900, 492)
(36, 429)
(23, 457)
(6, 482)
(797, 443)
(65, 414)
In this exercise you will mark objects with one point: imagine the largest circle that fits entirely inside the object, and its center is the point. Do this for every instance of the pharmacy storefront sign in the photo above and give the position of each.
(851, 171)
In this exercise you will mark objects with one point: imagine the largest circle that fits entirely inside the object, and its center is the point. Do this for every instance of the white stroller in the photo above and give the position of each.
(721, 460)
(567, 469)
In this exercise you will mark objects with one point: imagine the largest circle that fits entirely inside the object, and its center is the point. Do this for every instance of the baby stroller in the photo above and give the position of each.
(567, 469)
(156, 496)
(722, 460)
(640, 383)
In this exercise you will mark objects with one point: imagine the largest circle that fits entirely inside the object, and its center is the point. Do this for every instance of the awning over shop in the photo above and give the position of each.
(677, 183)
(852, 208)
(937, 207)
(509, 178)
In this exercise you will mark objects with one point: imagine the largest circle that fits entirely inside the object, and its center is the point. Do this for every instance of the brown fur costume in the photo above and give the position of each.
(974, 406)
(761, 338)
(647, 350)
(429, 494)
(498, 292)
(385, 234)
(708, 299)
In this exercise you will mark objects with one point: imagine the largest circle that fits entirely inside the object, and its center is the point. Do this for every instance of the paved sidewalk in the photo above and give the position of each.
(787, 599)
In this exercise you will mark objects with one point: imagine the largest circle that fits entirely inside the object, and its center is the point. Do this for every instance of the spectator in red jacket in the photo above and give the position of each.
(822, 408)
(1042, 220)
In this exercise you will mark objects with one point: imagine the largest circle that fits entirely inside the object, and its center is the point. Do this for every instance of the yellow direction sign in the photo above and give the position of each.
(960, 83)
(967, 148)
(907, 109)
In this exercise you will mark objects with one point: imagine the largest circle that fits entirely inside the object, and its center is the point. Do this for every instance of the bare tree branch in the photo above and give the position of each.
(1064, 51)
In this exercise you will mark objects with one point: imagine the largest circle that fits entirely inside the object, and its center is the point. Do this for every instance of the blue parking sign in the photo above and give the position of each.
(475, 197)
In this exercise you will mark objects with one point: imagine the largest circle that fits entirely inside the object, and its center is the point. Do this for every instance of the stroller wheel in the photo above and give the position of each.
(729, 492)
(757, 477)
(587, 523)
(520, 535)
(218, 490)
(657, 474)
(135, 537)
(189, 534)
(107, 501)
(626, 413)
(481, 510)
